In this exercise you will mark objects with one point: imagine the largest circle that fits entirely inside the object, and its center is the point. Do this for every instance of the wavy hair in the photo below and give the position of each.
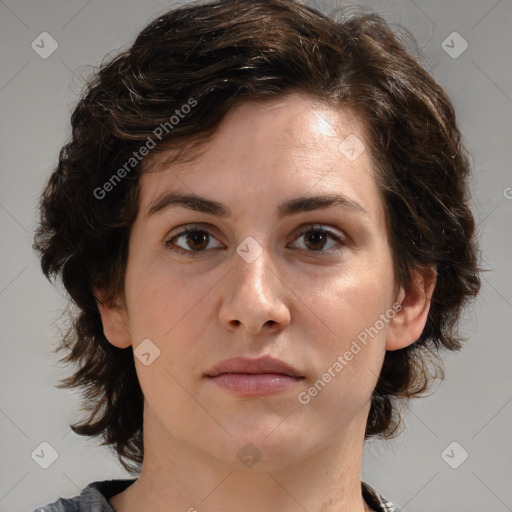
(219, 54)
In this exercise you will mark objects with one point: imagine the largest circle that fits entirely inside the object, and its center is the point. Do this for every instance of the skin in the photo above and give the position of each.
(301, 301)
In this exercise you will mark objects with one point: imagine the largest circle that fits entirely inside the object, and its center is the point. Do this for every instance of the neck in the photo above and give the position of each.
(178, 477)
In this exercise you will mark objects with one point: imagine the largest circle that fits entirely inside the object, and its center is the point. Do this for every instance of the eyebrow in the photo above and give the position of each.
(290, 207)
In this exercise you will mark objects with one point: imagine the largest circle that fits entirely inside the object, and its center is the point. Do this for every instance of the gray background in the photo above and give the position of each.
(472, 407)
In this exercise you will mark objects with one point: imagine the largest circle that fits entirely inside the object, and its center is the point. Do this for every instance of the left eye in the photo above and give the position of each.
(317, 239)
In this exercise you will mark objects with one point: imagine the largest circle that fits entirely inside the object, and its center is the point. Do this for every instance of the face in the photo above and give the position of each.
(257, 271)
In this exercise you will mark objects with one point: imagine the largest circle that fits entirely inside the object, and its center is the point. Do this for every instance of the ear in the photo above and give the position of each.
(408, 323)
(115, 320)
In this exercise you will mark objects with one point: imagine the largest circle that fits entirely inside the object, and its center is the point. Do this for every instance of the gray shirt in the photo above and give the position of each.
(94, 498)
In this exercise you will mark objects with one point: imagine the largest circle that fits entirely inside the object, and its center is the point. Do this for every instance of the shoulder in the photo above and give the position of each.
(377, 501)
(93, 498)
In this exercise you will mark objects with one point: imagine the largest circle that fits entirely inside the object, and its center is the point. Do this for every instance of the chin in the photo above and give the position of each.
(262, 446)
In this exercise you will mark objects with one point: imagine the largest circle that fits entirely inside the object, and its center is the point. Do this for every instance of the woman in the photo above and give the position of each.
(262, 219)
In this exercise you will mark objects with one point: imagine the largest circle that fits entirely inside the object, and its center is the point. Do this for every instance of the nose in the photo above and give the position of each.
(254, 297)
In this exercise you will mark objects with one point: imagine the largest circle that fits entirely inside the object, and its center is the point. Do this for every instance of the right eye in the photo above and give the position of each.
(191, 241)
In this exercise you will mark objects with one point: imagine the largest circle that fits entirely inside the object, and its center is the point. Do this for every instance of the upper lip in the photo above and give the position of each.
(264, 364)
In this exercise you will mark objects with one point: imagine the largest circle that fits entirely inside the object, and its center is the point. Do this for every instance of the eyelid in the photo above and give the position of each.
(184, 231)
(333, 234)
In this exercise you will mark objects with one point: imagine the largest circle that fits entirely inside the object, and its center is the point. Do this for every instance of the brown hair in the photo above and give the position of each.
(219, 54)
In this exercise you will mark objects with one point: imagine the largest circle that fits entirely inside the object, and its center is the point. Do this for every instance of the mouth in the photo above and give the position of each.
(254, 377)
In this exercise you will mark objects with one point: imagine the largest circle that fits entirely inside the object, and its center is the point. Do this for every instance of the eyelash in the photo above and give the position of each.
(197, 229)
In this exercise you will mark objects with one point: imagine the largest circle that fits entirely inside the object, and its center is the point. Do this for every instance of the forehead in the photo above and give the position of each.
(280, 148)
(296, 123)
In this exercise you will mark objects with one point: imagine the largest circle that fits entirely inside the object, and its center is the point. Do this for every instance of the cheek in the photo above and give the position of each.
(175, 312)
(348, 358)
(348, 310)
(157, 298)
(348, 303)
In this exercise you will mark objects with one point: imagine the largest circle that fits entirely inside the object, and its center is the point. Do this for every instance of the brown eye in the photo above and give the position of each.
(319, 239)
(315, 239)
(197, 240)
(191, 241)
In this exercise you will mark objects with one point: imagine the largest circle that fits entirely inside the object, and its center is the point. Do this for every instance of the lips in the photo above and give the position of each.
(261, 365)
(245, 377)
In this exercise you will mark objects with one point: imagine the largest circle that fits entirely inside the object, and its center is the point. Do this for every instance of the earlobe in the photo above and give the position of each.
(408, 324)
(115, 321)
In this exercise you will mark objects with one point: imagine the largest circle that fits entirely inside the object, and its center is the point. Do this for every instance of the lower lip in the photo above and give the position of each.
(255, 384)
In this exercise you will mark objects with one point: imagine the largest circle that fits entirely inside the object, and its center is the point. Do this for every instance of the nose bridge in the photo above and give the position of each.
(256, 295)
(253, 271)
